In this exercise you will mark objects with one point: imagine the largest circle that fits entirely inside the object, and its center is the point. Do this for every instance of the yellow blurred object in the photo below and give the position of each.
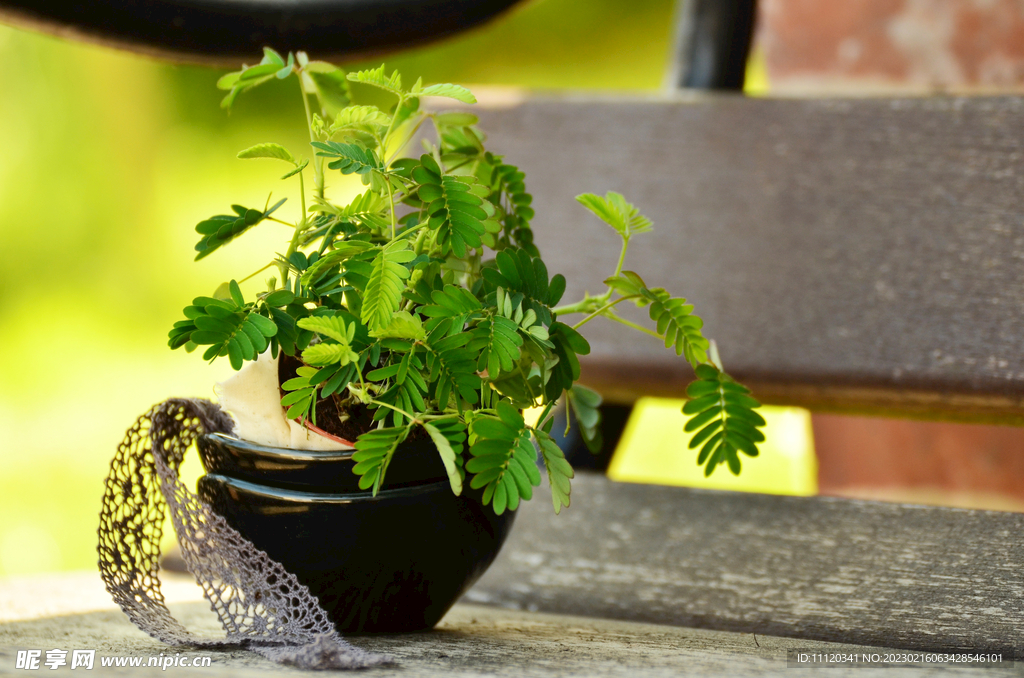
(654, 449)
(755, 82)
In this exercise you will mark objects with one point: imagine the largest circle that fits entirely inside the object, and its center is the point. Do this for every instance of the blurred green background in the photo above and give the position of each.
(107, 161)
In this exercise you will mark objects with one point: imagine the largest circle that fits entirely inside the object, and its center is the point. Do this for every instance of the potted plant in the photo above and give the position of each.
(416, 321)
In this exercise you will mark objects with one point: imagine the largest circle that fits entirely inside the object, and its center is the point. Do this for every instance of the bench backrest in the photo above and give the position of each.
(859, 255)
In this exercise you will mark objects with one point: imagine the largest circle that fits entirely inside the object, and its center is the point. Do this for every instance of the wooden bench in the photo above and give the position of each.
(857, 255)
(848, 255)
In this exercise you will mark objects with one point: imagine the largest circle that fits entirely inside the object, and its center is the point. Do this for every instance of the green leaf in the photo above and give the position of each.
(296, 396)
(351, 159)
(627, 284)
(342, 251)
(271, 56)
(449, 91)
(613, 210)
(222, 229)
(229, 80)
(509, 195)
(331, 87)
(323, 354)
(497, 341)
(229, 327)
(586, 404)
(568, 344)
(453, 207)
(298, 168)
(268, 150)
(386, 283)
(279, 298)
(260, 73)
(360, 118)
(516, 270)
(246, 79)
(402, 325)
(256, 338)
(407, 390)
(448, 457)
(377, 78)
(329, 326)
(677, 324)
(452, 369)
(502, 450)
(451, 302)
(236, 293)
(725, 417)
(369, 210)
(559, 470)
(266, 327)
(374, 450)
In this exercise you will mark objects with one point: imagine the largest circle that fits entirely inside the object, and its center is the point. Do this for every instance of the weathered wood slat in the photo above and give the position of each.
(471, 641)
(862, 255)
(869, 573)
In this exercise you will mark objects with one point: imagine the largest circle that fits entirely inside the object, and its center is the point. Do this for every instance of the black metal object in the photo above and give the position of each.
(715, 43)
(228, 32)
(614, 417)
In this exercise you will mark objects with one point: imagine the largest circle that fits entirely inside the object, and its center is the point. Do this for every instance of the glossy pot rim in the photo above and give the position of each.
(290, 496)
(289, 453)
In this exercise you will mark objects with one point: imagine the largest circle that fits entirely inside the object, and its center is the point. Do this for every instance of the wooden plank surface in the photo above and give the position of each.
(868, 573)
(471, 640)
(858, 255)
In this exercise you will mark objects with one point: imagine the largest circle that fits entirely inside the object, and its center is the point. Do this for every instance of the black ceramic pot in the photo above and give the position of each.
(391, 563)
(416, 462)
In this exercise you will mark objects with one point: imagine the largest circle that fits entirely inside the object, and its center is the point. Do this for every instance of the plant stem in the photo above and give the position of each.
(391, 200)
(253, 275)
(387, 134)
(406, 141)
(410, 417)
(581, 306)
(618, 268)
(622, 258)
(318, 162)
(544, 414)
(639, 328)
(602, 310)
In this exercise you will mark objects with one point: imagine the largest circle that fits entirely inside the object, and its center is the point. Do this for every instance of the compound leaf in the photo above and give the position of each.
(502, 451)
(386, 283)
(613, 210)
(447, 90)
(268, 150)
(559, 470)
(374, 450)
(449, 457)
(722, 412)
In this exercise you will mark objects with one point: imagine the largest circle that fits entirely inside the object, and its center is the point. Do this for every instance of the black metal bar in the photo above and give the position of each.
(716, 43)
(228, 32)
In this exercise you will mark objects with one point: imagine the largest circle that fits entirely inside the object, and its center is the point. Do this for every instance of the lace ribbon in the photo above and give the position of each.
(261, 606)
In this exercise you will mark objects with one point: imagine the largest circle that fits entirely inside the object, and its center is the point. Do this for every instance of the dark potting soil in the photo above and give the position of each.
(360, 417)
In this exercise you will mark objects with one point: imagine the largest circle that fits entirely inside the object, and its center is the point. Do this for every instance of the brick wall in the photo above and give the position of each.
(884, 45)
